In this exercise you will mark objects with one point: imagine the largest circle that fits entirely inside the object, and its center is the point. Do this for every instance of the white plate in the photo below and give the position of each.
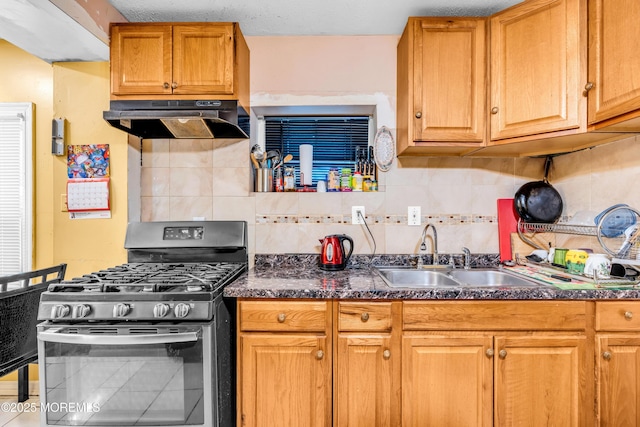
(384, 149)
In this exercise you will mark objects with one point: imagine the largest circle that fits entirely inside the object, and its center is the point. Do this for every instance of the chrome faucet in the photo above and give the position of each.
(423, 245)
(467, 258)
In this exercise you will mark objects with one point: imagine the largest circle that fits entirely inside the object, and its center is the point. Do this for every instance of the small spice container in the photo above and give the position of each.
(333, 180)
(345, 179)
(289, 179)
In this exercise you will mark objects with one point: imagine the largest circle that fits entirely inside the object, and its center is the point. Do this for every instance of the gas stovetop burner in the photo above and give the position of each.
(153, 278)
(176, 271)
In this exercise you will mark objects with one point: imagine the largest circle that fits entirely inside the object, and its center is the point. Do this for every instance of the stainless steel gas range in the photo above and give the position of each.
(149, 342)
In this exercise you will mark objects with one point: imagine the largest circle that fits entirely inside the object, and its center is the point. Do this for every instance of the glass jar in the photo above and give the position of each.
(289, 179)
(366, 183)
(278, 180)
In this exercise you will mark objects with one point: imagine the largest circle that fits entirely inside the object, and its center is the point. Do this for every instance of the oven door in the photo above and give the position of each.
(126, 375)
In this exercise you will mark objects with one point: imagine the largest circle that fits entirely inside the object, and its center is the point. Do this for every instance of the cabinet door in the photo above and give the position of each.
(449, 80)
(285, 380)
(618, 387)
(203, 59)
(540, 380)
(537, 66)
(614, 63)
(367, 391)
(447, 381)
(141, 59)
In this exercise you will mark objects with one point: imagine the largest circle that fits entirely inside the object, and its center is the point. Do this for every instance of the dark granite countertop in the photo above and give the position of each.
(298, 276)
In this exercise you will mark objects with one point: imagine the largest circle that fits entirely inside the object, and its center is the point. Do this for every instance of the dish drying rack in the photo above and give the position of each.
(624, 249)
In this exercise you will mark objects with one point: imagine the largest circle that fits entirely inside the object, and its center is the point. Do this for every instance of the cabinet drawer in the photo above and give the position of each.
(295, 316)
(618, 316)
(502, 315)
(362, 316)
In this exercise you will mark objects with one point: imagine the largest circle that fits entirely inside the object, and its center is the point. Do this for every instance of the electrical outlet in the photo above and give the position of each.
(413, 215)
(63, 203)
(355, 218)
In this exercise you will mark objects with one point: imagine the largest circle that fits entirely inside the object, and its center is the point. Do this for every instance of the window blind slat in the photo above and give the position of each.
(335, 140)
(15, 188)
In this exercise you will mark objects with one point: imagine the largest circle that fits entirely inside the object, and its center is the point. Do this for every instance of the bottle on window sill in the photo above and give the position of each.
(357, 181)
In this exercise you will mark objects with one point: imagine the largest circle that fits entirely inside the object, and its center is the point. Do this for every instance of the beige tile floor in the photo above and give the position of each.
(11, 417)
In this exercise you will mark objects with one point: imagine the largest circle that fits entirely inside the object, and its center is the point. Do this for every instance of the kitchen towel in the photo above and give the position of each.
(306, 164)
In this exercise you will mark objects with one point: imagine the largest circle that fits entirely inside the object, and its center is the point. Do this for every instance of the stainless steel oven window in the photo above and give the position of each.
(106, 375)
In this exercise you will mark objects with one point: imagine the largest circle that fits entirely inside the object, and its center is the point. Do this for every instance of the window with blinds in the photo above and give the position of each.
(15, 187)
(338, 141)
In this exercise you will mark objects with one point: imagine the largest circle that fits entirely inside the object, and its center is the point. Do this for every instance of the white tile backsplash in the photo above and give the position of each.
(214, 180)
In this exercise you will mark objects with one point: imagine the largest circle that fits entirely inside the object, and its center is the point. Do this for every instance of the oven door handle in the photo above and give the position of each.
(135, 339)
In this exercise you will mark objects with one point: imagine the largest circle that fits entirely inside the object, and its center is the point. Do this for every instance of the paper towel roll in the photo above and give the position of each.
(306, 164)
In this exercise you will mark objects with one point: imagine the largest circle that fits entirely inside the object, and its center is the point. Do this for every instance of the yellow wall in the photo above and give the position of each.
(78, 92)
(26, 78)
(81, 94)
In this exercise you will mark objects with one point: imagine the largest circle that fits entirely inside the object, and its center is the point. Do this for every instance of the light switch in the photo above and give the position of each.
(413, 215)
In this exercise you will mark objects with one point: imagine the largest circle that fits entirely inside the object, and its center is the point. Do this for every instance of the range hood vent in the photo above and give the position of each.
(174, 119)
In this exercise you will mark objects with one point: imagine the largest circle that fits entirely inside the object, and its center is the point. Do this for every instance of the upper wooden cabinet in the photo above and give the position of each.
(614, 65)
(186, 61)
(441, 86)
(534, 99)
(538, 68)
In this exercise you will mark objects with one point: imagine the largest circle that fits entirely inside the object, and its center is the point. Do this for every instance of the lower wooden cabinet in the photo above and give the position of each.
(367, 364)
(618, 363)
(284, 363)
(447, 380)
(540, 380)
(438, 363)
(286, 380)
(496, 363)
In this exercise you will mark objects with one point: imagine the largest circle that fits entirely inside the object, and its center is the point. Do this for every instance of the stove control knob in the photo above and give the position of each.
(181, 310)
(160, 310)
(59, 311)
(80, 311)
(121, 309)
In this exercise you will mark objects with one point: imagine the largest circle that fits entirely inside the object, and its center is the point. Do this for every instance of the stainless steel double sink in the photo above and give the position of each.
(445, 276)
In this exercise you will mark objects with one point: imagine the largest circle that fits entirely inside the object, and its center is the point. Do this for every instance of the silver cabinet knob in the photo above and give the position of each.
(494, 110)
(282, 317)
(165, 85)
(502, 354)
(174, 85)
(364, 316)
(386, 354)
(628, 315)
(588, 86)
(160, 310)
(121, 309)
(181, 310)
(418, 115)
(489, 352)
(319, 354)
(606, 355)
(80, 311)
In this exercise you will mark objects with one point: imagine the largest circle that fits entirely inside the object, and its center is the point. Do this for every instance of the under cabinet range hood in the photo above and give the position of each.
(171, 119)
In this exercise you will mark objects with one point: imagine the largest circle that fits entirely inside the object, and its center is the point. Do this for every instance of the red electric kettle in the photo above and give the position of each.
(332, 254)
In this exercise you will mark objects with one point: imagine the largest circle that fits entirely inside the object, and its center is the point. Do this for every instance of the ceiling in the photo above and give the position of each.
(77, 30)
